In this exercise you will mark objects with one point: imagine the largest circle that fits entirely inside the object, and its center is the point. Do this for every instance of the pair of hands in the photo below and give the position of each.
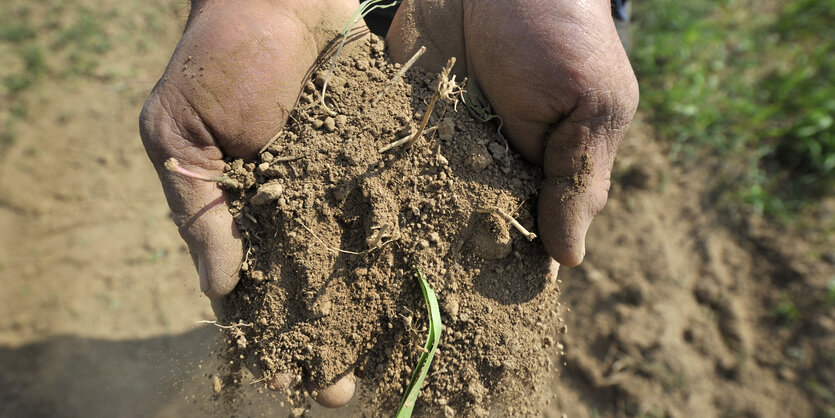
(554, 70)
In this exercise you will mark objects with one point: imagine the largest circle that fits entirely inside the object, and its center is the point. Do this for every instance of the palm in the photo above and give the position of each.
(237, 68)
(556, 73)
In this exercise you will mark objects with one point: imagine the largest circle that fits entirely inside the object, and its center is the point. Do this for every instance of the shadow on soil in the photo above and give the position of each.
(66, 376)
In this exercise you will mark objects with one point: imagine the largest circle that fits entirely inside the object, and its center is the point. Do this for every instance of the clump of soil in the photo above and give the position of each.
(335, 230)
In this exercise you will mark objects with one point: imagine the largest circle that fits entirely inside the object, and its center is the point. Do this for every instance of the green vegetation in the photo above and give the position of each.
(750, 82)
(42, 41)
(785, 312)
(422, 366)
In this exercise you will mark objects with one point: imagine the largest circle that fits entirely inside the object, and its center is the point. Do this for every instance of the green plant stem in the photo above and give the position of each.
(422, 367)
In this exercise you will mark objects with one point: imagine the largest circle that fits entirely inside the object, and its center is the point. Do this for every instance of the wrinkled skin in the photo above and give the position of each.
(554, 70)
(556, 73)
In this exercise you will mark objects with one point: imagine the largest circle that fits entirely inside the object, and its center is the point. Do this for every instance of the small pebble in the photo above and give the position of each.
(478, 161)
(453, 308)
(330, 124)
(341, 121)
(267, 193)
(497, 150)
(319, 80)
(448, 412)
(217, 385)
(446, 129)
(263, 168)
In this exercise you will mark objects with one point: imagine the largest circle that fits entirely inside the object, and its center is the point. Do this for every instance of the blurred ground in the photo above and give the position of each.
(679, 310)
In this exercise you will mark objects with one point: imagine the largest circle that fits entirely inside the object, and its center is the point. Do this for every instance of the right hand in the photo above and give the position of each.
(556, 72)
(236, 72)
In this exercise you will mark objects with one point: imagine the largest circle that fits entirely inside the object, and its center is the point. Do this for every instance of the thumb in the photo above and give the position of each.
(214, 243)
(199, 208)
(571, 196)
(578, 157)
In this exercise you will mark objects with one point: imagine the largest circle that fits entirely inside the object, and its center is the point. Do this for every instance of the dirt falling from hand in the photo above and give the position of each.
(334, 230)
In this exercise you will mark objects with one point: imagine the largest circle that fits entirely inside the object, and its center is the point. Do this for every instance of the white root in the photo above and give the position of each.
(447, 89)
(339, 250)
(233, 326)
(528, 234)
(403, 140)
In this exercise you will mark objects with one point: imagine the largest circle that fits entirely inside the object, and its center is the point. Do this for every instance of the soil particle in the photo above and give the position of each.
(267, 193)
(337, 234)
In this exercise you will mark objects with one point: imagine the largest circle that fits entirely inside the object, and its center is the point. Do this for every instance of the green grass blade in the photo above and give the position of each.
(422, 366)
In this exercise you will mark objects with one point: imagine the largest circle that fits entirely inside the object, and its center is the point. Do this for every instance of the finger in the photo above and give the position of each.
(336, 395)
(578, 158)
(213, 239)
(435, 24)
(199, 208)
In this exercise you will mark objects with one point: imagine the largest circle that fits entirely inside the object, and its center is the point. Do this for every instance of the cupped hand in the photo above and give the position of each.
(237, 70)
(557, 75)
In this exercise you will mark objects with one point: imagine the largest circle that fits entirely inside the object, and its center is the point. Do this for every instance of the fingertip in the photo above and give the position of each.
(569, 254)
(563, 226)
(220, 287)
(219, 249)
(553, 269)
(336, 395)
(574, 255)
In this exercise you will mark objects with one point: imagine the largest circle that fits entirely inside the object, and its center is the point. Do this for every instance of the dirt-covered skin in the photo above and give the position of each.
(552, 70)
(556, 72)
(208, 105)
(237, 69)
(99, 301)
(335, 229)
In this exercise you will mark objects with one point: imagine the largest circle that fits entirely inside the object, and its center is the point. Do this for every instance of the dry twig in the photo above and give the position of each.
(447, 89)
(400, 73)
(528, 234)
(339, 250)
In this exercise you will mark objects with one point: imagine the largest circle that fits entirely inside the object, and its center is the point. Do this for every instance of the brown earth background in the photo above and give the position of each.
(678, 310)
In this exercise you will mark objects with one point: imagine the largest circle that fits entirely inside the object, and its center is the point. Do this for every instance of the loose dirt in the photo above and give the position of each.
(335, 229)
(680, 309)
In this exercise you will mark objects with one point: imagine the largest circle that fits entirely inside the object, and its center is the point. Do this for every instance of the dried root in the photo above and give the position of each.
(447, 89)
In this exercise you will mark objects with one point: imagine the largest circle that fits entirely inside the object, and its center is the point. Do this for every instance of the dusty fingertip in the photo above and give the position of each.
(336, 395)
(568, 254)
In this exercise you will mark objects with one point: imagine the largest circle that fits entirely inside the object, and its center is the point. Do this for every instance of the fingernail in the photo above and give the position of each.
(203, 274)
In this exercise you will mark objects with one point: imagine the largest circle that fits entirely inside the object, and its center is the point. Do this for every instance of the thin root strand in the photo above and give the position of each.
(174, 166)
(528, 234)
